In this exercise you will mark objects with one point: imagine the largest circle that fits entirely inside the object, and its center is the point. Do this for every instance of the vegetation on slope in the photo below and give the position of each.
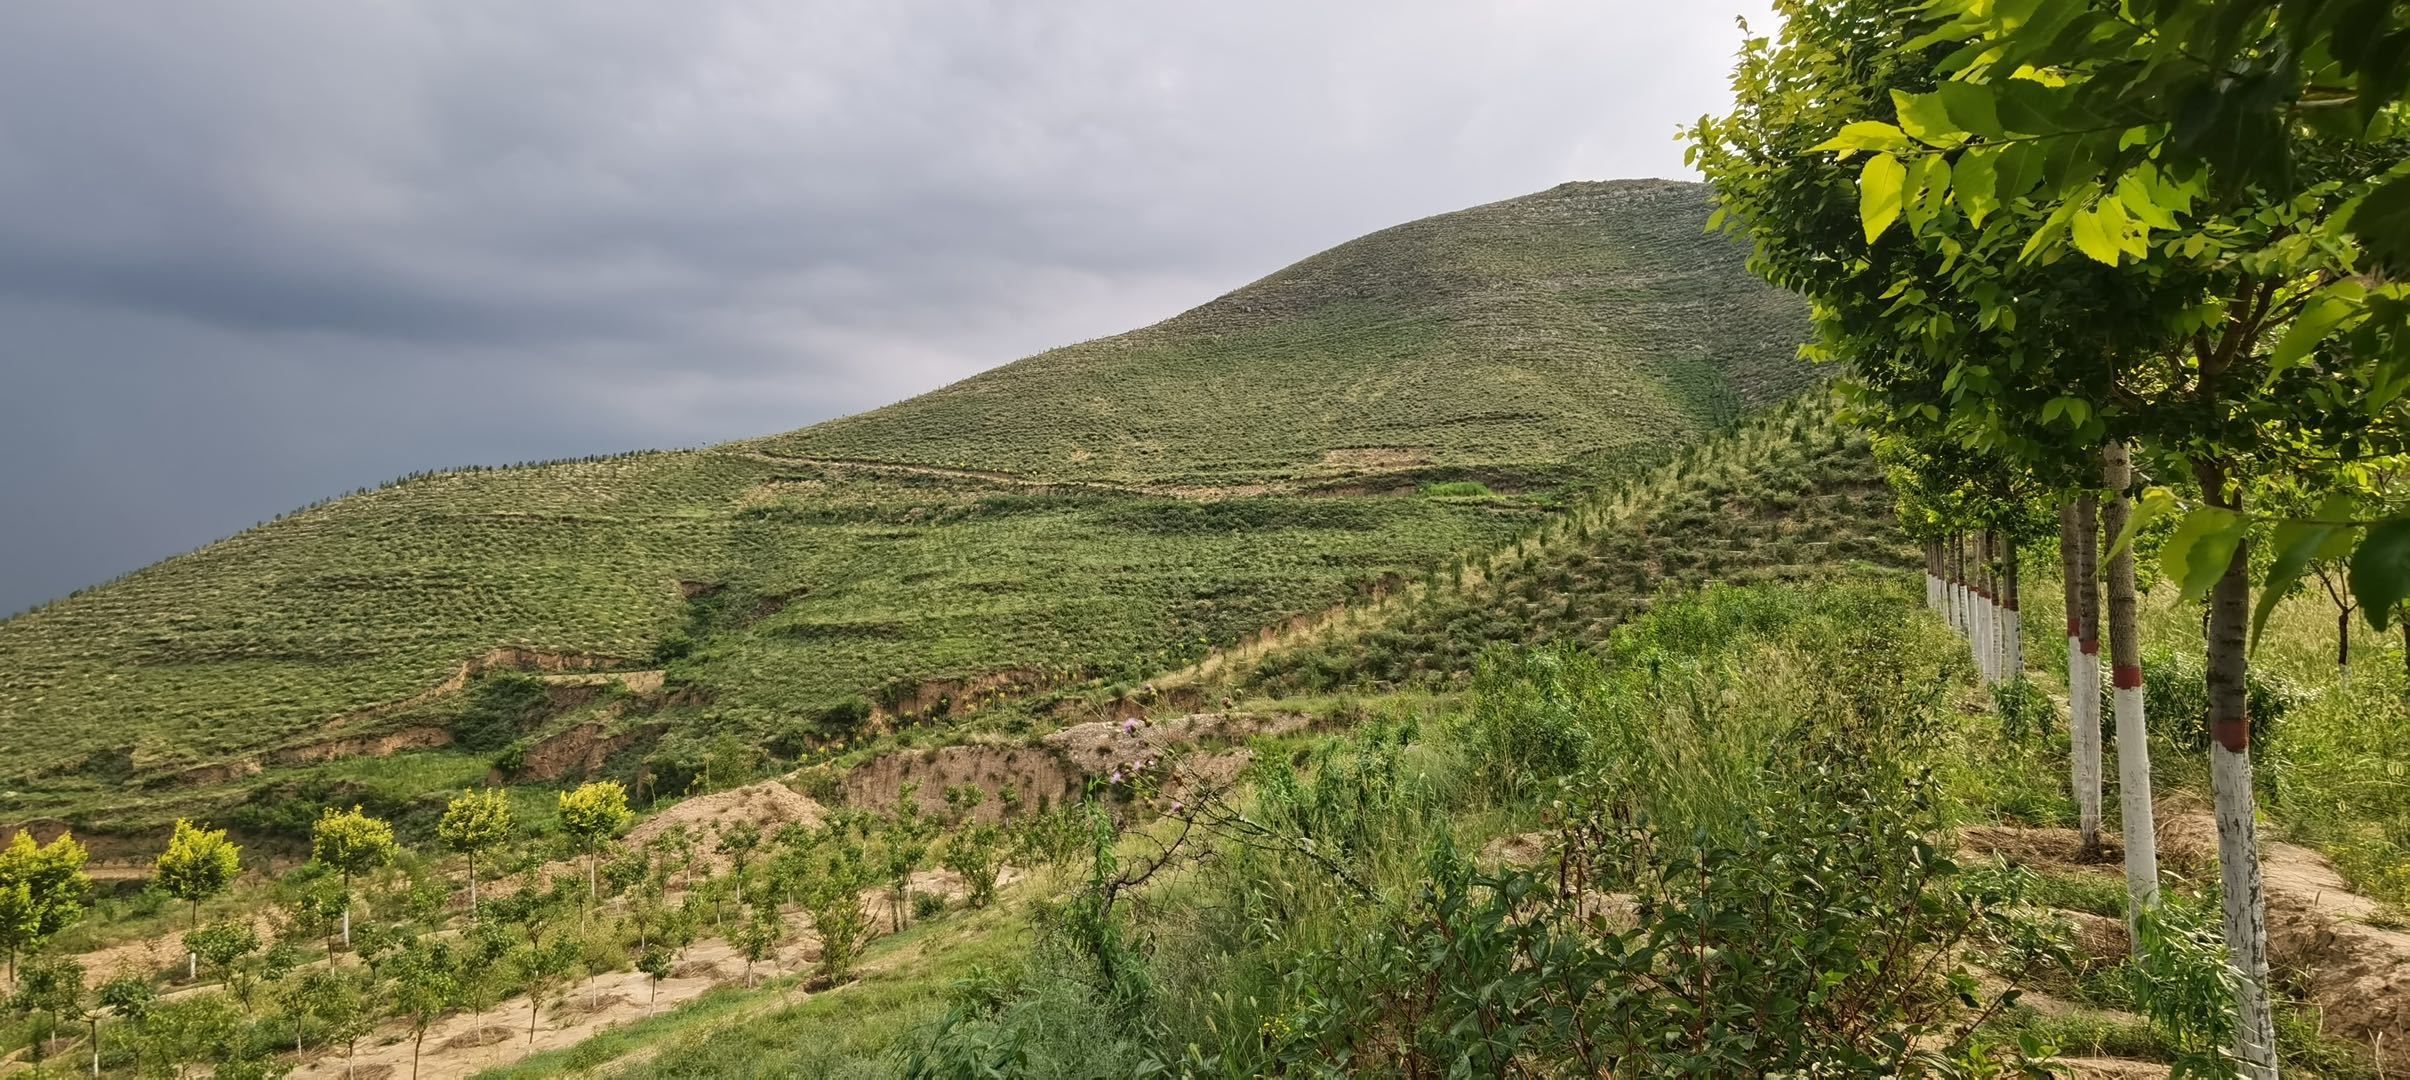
(774, 595)
(1792, 495)
(1539, 336)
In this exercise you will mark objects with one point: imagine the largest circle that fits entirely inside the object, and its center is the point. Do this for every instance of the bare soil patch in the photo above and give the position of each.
(2318, 935)
(768, 806)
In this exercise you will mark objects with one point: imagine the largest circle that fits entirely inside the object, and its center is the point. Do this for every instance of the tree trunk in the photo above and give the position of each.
(2014, 599)
(2087, 747)
(96, 1046)
(472, 886)
(2244, 906)
(415, 1045)
(2083, 680)
(2133, 738)
(1964, 595)
(2343, 645)
(1983, 608)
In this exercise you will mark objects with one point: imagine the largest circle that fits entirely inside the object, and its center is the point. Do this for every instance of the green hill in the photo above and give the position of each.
(1558, 330)
(1088, 516)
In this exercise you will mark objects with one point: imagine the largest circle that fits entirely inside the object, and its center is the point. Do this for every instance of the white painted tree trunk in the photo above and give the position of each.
(2016, 639)
(2245, 910)
(2086, 695)
(2134, 802)
(2243, 906)
(2087, 738)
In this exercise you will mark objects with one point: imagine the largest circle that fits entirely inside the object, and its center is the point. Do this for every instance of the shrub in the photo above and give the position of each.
(2026, 713)
(2175, 694)
(1458, 489)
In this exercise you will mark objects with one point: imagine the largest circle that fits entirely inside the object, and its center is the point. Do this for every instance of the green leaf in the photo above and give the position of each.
(1927, 119)
(2197, 555)
(2154, 504)
(2309, 328)
(1971, 107)
(1975, 180)
(2380, 570)
(1865, 135)
(2382, 223)
(2297, 544)
(2135, 192)
(2094, 236)
(1879, 192)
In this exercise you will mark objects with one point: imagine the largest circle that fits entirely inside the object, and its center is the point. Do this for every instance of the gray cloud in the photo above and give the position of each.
(253, 252)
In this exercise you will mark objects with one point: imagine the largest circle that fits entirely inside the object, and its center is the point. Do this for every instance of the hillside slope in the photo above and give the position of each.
(1247, 463)
(1545, 331)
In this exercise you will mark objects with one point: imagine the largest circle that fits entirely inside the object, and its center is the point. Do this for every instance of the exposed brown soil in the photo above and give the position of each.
(2103, 1068)
(387, 744)
(959, 695)
(2357, 974)
(769, 806)
(1060, 767)
(488, 1035)
(1039, 776)
(579, 750)
(2058, 848)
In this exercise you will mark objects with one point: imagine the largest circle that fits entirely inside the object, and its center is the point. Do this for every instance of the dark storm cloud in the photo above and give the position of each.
(257, 251)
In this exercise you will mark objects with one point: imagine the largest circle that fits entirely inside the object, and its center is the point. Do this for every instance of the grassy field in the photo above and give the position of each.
(1390, 407)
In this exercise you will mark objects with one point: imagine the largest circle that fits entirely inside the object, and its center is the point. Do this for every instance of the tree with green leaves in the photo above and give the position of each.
(656, 963)
(474, 823)
(350, 843)
(50, 994)
(129, 997)
(545, 962)
(223, 947)
(828, 879)
(738, 840)
(197, 864)
(973, 849)
(43, 890)
(426, 984)
(2051, 292)
(592, 815)
(904, 841)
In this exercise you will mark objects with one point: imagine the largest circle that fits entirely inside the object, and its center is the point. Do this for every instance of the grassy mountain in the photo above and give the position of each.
(1086, 516)
(1557, 330)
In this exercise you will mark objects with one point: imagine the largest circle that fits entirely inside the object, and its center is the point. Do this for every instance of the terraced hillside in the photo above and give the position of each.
(1248, 463)
(1558, 329)
(1793, 495)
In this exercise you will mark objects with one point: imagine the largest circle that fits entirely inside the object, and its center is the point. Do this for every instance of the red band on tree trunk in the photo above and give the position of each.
(2126, 676)
(2234, 735)
(2012, 603)
(2075, 629)
(2091, 646)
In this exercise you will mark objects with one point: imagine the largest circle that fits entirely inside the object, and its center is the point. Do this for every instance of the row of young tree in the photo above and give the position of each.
(2060, 242)
(427, 951)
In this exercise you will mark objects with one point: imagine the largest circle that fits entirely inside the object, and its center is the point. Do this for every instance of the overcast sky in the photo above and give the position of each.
(255, 252)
